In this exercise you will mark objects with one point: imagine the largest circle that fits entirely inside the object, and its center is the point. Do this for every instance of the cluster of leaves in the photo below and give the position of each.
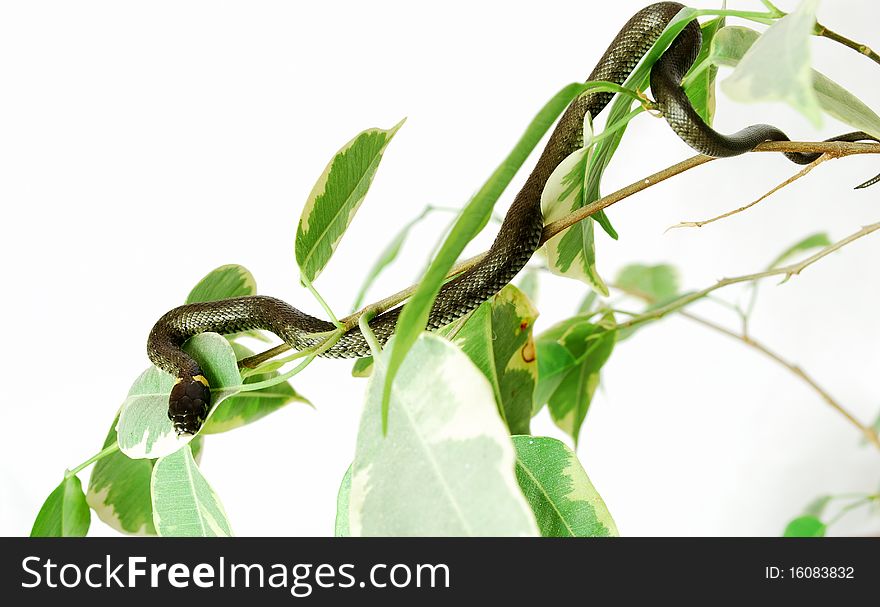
(444, 445)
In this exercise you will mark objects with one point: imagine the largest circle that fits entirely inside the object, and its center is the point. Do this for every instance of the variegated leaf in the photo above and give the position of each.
(731, 43)
(572, 253)
(119, 489)
(144, 430)
(446, 465)
(498, 339)
(777, 66)
(184, 504)
(570, 357)
(336, 197)
(559, 491)
(226, 281)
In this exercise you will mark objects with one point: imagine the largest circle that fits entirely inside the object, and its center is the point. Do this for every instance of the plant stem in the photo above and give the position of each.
(786, 271)
(313, 353)
(823, 31)
(308, 285)
(364, 325)
(776, 188)
(102, 454)
(869, 433)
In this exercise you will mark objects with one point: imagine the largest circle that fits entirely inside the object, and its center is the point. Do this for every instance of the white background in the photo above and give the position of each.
(143, 144)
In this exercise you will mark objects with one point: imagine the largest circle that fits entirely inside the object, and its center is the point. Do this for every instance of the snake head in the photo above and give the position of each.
(189, 403)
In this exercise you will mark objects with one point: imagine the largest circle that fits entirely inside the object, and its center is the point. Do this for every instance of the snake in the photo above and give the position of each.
(516, 241)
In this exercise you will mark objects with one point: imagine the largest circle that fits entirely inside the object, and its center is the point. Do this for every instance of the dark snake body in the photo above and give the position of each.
(517, 239)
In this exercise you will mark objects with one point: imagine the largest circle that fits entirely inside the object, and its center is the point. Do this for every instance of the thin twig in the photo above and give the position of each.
(776, 188)
(835, 149)
(869, 433)
(821, 30)
(786, 271)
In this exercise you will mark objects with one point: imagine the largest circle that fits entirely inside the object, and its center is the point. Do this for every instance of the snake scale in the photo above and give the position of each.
(517, 239)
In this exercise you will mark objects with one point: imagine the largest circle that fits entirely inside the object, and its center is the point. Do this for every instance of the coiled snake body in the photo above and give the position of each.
(517, 239)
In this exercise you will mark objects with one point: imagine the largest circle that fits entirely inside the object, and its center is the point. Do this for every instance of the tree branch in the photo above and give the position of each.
(834, 149)
(869, 433)
(786, 271)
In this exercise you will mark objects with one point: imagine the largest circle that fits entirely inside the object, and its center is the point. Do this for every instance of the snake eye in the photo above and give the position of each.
(189, 403)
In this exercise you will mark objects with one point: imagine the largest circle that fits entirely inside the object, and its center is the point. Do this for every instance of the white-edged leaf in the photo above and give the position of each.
(343, 498)
(446, 466)
(144, 430)
(226, 281)
(732, 42)
(559, 491)
(119, 489)
(572, 253)
(777, 66)
(183, 502)
(570, 358)
(498, 339)
(336, 197)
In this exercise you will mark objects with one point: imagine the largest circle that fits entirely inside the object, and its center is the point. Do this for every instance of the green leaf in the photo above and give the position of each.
(386, 257)
(731, 44)
(777, 66)
(498, 339)
(817, 506)
(618, 116)
(183, 502)
(657, 283)
(119, 489)
(700, 87)
(224, 282)
(144, 428)
(529, 284)
(473, 217)
(363, 367)
(805, 526)
(587, 303)
(65, 512)
(839, 103)
(342, 505)
(248, 407)
(559, 491)
(336, 197)
(446, 466)
(571, 355)
(813, 241)
(571, 253)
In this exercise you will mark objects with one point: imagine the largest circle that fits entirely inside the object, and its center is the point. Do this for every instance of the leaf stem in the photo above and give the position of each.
(788, 271)
(364, 324)
(866, 431)
(308, 285)
(312, 354)
(100, 455)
